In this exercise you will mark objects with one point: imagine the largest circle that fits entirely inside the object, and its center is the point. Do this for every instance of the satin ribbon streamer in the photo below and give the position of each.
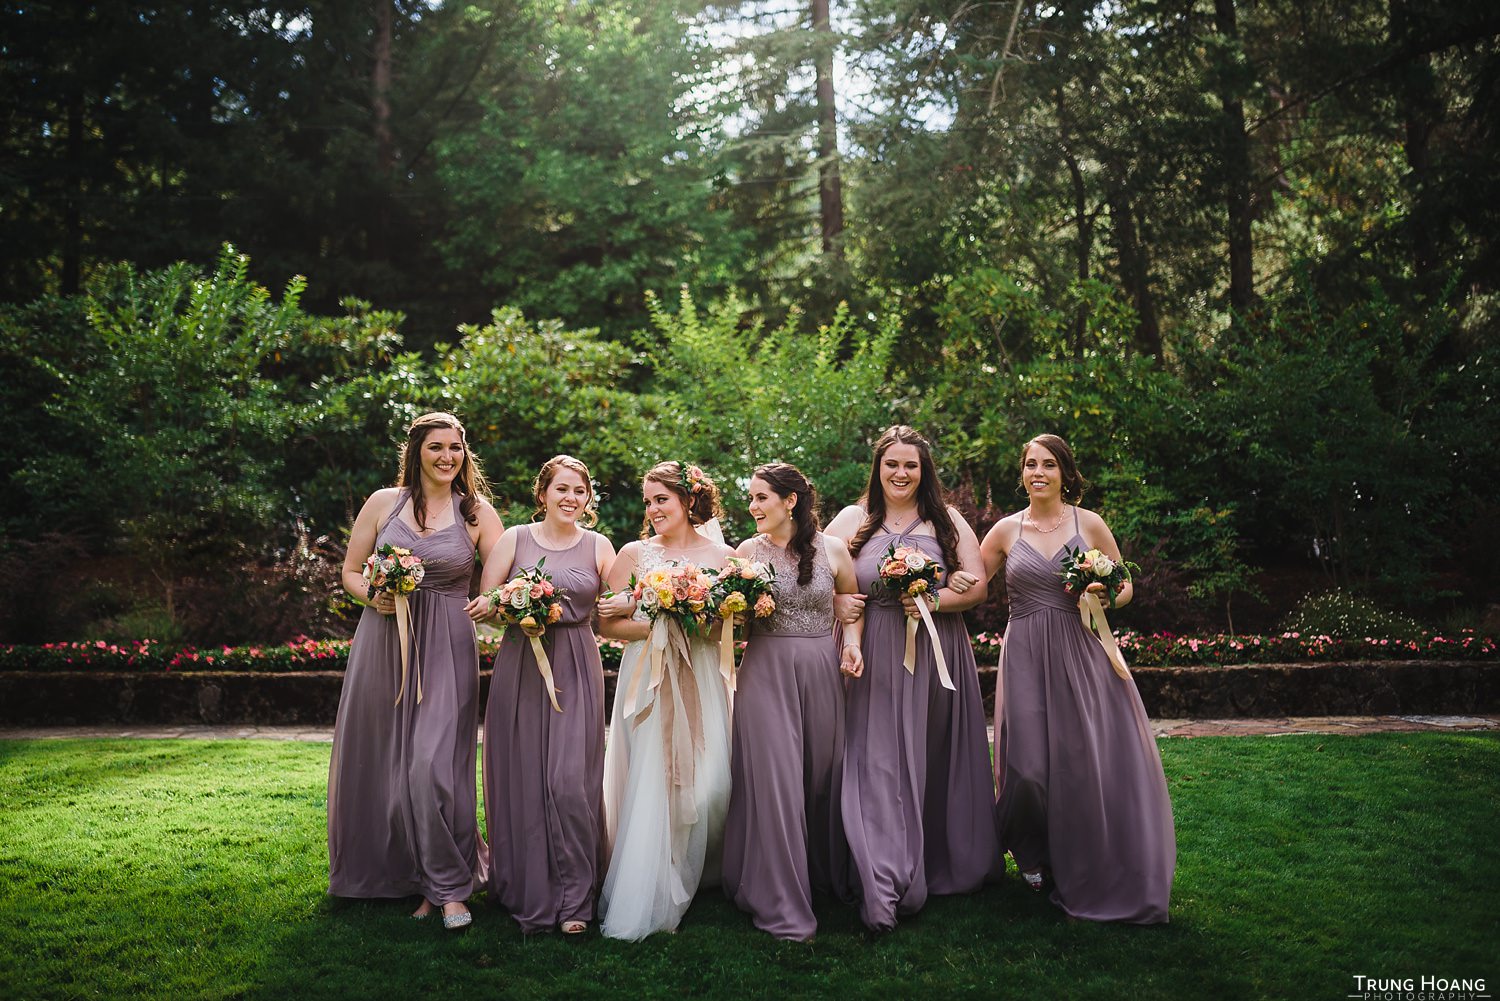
(544, 668)
(403, 633)
(672, 692)
(726, 656)
(909, 660)
(1091, 611)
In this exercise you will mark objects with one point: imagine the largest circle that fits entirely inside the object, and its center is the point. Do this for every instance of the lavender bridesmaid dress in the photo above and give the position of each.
(785, 835)
(543, 769)
(1081, 786)
(918, 796)
(401, 801)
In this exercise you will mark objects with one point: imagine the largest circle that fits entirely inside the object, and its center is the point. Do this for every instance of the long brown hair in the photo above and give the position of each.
(698, 493)
(1073, 484)
(590, 516)
(786, 479)
(469, 484)
(932, 504)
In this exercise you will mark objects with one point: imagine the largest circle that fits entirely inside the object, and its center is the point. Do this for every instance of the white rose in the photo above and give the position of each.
(649, 599)
(1103, 566)
(915, 561)
(519, 598)
(760, 570)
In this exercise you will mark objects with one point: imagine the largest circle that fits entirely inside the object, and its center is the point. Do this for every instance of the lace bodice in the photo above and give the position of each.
(800, 611)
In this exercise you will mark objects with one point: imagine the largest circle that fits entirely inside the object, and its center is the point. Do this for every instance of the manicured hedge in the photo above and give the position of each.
(1159, 650)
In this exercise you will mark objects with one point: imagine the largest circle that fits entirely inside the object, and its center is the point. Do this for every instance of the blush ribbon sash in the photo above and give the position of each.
(672, 692)
(909, 659)
(403, 635)
(1091, 611)
(544, 668)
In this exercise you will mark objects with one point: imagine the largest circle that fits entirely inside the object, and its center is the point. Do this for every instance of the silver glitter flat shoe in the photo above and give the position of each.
(462, 919)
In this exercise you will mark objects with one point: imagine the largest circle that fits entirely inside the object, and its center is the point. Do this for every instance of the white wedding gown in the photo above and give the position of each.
(647, 890)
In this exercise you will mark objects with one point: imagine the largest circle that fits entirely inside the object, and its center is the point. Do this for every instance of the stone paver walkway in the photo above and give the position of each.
(1283, 727)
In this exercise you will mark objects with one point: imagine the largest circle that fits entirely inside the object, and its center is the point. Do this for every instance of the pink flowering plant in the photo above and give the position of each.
(743, 585)
(529, 600)
(906, 570)
(1080, 568)
(391, 568)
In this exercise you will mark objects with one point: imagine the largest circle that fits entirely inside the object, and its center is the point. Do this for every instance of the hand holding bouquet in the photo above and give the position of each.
(677, 591)
(391, 568)
(744, 585)
(532, 602)
(907, 572)
(1080, 573)
(1080, 569)
(396, 571)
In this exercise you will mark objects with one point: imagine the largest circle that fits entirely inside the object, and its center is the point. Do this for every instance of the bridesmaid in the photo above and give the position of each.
(918, 793)
(666, 769)
(1082, 794)
(543, 769)
(401, 810)
(785, 835)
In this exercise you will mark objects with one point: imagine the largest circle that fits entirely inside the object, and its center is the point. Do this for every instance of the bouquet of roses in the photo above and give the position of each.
(391, 568)
(906, 570)
(743, 585)
(399, 571)
(677, 591)
(529, 599)
(1080, 569)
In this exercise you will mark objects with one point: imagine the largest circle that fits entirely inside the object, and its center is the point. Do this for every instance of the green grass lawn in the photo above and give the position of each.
(181, 869)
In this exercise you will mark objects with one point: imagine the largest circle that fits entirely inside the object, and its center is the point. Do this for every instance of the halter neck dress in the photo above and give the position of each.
(784, 837)
(401, 797)
(1081, 786)
(918, 792)
(543, 769)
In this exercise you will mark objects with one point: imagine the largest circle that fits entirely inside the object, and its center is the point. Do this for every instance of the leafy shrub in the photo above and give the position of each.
(1344, 616)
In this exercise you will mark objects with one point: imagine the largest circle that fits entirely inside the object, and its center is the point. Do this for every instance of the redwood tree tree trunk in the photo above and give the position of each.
(1237, 176)
(830, 189)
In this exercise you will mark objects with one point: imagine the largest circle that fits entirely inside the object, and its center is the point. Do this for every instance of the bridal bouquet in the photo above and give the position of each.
(906, 570)
(1080, 569)
(743, 585)
(677, 592)
(391, 568)
(399, 571)
(530, 600)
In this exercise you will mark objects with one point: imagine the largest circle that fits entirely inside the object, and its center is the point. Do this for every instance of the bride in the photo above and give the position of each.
(666, 763)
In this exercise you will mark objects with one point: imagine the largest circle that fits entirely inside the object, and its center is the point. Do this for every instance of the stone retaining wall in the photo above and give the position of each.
(311, 697)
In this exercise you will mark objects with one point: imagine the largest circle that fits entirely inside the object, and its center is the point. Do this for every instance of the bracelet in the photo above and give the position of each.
(850, 643)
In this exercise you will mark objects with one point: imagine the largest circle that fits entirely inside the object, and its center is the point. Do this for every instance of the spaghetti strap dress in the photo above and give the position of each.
(543, 769)
(1082, 792)
(401, 792)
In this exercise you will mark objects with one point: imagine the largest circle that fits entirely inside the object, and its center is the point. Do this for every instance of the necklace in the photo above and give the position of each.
(896, 523)
(1047, 531)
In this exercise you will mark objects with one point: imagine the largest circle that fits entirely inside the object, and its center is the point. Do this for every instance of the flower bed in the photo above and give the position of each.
(1159, 650)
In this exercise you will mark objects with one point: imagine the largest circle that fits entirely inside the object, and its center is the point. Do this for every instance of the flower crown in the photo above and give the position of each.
(693, 479)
